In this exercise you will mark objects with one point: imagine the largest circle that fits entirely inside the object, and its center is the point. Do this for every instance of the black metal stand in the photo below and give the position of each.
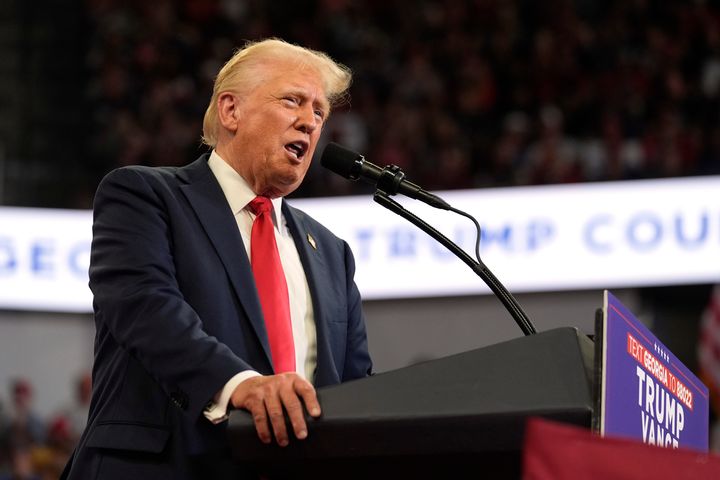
(478, 267)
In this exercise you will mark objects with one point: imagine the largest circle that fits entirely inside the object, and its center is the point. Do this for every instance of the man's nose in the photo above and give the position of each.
(307, 121)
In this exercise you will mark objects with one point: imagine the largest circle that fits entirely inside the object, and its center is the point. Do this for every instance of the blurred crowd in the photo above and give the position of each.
(33, 447)
(461, 94)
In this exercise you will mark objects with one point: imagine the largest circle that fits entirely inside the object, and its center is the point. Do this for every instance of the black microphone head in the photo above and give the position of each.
(341, 160)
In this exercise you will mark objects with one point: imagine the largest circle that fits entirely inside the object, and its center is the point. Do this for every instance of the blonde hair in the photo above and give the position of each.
(240, 74)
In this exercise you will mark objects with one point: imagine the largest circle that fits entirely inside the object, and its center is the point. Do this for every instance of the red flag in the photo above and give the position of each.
(709, 348)
(556, 451)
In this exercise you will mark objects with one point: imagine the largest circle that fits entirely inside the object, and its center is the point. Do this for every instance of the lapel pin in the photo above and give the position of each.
(311, 241)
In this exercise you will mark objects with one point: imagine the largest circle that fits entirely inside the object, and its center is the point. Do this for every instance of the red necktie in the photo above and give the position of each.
(271, 285)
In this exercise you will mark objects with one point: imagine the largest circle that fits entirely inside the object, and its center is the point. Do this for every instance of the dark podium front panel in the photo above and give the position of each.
(428, 420)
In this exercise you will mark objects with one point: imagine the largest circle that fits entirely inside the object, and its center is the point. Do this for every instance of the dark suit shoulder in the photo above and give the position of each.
(309, 222)
(165, 174)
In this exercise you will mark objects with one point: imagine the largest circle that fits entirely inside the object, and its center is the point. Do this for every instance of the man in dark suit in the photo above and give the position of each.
(182, 323)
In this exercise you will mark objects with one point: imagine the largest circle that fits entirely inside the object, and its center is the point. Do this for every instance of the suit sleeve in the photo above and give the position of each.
(357, 358)
(136, 294)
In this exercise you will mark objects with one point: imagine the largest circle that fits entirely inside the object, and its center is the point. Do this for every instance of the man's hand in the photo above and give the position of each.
(265, 397)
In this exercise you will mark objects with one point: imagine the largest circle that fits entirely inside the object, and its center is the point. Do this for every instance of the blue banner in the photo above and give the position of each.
(647, 393)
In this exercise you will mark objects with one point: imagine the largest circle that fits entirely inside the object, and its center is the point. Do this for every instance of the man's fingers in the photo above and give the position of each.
(259, 416)
(277, 418)
(307, 392)
(268, 398)
(295, 411)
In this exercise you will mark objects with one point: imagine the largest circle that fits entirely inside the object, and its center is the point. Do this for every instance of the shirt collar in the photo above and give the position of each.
(237, 191)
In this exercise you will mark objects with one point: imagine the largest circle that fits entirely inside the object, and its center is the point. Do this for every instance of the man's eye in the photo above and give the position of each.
(320, 114)
(292, 100)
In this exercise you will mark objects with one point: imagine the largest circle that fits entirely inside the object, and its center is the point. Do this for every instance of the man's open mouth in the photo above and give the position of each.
(298, 149)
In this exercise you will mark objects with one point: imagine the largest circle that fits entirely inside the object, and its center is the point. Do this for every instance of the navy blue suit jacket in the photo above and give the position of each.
(177, 314)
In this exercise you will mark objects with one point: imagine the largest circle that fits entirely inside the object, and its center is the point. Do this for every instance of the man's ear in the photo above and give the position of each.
(228, 110)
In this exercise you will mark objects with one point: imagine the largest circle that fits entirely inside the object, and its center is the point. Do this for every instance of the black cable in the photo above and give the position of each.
(512, 306)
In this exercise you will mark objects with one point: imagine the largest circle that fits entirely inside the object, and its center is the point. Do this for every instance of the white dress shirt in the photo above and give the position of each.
(239, 194)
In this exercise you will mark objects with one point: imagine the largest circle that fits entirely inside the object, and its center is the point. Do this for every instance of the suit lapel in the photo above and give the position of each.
(310, 250)
(213, 212)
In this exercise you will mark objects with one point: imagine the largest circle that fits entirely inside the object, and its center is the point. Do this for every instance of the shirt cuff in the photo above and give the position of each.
(217, 409)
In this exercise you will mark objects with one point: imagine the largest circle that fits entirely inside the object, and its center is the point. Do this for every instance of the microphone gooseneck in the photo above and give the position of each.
(390, 180)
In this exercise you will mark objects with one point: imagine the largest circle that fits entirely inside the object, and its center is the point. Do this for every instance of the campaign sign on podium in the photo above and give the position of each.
(646, 392)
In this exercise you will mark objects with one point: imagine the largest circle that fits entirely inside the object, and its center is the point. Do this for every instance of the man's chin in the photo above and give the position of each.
(282, 189)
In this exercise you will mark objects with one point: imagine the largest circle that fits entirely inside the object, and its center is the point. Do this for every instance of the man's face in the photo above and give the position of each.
(278, 126)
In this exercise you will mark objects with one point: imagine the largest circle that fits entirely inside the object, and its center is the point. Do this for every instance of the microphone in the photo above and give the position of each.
(390, 179)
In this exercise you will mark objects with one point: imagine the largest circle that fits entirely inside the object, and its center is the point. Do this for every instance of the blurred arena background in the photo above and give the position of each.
(468, 94)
